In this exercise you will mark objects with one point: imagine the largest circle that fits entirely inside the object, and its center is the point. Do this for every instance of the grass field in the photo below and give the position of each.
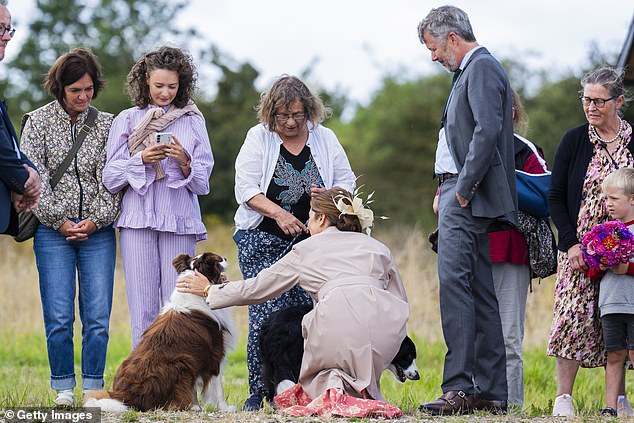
(24, 373)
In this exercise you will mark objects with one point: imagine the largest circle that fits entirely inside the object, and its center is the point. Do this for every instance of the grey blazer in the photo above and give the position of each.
(479, 131)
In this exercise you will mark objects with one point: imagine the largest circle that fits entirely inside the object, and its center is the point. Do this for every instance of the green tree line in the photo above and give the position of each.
(390, 141)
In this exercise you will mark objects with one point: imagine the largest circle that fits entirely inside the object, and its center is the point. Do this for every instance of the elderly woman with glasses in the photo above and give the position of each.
(287, 157)
(584, 157)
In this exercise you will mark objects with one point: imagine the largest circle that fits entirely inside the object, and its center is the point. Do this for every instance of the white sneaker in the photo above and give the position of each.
(623, 407)
(64, 397)
(563, 406)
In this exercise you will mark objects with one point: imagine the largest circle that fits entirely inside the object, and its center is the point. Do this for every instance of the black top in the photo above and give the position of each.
(523, 152)
(290, 188)
(570, 166)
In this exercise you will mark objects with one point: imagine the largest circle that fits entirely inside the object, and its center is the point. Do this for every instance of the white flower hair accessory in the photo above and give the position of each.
(355, 207)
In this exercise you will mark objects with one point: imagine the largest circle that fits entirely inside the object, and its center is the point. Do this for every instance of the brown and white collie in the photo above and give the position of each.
(182, 350)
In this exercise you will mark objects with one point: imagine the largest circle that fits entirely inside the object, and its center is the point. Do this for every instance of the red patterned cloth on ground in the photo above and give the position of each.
(332, 403)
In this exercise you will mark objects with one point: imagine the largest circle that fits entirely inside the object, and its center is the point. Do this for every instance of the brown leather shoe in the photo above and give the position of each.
(451, 402)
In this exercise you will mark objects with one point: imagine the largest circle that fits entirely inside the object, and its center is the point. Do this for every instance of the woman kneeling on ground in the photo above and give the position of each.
(351, 278)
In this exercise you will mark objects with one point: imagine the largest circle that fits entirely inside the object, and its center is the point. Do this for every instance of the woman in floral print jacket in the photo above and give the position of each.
(75, 234)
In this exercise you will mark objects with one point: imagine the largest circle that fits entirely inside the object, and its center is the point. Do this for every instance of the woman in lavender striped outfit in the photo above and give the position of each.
(160, 215)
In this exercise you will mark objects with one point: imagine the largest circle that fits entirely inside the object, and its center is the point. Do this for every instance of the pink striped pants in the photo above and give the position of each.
(149, 275)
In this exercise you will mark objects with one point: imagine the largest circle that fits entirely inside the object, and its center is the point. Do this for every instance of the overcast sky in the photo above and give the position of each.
(352, 43)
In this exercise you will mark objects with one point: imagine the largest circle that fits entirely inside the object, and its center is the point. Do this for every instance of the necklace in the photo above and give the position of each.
(618, 134)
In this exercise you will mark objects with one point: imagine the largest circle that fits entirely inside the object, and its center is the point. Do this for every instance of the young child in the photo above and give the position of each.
(616, 291)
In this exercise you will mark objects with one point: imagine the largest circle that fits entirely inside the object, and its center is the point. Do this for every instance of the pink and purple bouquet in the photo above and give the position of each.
(607, 244)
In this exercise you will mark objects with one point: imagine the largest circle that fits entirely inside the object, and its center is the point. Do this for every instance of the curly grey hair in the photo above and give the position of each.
(284, 92)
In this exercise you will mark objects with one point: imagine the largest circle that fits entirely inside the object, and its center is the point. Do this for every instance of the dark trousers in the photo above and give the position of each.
(475, 361)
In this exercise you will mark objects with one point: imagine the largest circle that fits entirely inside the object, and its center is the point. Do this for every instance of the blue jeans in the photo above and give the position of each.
(58, 261)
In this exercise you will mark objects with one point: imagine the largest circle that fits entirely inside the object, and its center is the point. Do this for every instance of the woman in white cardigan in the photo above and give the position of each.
(286, 158)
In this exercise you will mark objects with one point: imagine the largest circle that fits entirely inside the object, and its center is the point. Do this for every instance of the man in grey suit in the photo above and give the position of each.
(475, 169)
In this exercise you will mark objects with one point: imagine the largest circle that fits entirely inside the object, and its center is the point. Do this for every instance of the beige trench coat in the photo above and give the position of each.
(360, 314)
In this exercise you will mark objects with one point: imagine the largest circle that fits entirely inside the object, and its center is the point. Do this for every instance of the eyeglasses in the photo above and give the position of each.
(5, 29)
(599, 102)
(284, 117)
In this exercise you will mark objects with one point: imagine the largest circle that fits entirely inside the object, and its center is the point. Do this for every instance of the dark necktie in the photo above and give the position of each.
(456, 75)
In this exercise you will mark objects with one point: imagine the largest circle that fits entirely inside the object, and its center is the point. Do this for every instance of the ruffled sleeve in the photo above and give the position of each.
(121, 170)
(202, 160)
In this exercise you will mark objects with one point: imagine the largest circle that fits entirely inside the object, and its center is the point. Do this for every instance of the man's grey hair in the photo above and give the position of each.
(441, 21)
(4, 2)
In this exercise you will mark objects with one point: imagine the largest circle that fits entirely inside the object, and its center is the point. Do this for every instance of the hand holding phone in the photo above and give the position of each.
(157, 152)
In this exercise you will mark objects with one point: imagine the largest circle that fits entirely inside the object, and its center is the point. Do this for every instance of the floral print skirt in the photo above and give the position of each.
(258, 250)
(576, 333)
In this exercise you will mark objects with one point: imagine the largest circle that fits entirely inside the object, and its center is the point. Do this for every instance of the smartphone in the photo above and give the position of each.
(163, 137)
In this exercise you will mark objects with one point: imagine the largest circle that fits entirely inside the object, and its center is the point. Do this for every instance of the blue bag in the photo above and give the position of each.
(532, 189)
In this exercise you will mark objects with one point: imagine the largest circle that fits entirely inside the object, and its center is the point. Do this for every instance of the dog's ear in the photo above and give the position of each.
(181, 262)
(209, 265)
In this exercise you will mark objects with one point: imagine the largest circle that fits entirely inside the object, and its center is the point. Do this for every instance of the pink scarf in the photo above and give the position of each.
(155, 120)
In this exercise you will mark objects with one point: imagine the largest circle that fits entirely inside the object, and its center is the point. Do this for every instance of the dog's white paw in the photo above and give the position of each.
(195, 407)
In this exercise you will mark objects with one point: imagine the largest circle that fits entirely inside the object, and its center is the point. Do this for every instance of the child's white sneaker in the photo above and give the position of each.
(563, 406)
(623, 407)
(64, 397)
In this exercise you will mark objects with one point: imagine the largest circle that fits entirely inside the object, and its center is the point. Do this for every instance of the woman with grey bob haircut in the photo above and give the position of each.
(612, 80)
(443, 20)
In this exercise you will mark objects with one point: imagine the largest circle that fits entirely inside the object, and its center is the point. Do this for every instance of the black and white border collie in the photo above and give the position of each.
(282, 348)
(182, 351)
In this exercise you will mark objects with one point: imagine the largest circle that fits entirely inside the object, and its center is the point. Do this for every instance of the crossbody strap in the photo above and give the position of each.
(81, 136)
(530, 145)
